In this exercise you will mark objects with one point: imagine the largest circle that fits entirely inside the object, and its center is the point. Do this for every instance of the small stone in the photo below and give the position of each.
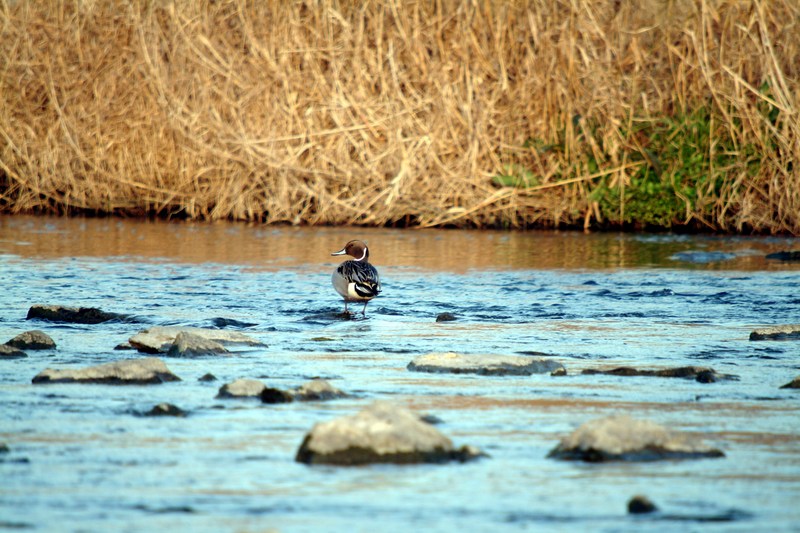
(487, 365)
(76, 315)
(32, 340)
(622, 438)
(788, 331)
(641, 505)
(318, 389)
(242, 388)
(187, 344)
(380, 433)
(9, 352)
(207, 377)
(559, 372)
(445, 317)
(149, 370)
(794, 384)
(4, 448)
(273, 395)
(166, 409)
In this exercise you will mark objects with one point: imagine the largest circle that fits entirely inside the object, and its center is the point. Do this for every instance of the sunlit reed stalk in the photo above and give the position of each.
(673, 113)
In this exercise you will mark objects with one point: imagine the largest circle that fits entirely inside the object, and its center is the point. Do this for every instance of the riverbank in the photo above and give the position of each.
(678, 115)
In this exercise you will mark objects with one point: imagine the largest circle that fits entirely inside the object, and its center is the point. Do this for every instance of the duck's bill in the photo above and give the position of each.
(340, 252)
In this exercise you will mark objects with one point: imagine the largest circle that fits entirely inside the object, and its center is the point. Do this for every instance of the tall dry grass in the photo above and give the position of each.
(391, 112)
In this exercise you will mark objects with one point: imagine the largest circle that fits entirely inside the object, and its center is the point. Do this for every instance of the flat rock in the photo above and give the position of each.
(145, 371)
(380, 433)
(785, 255)
(698, 373)
(622, 438)
(32, 340)
(187, 344)
(488, 364)
(9, 352)
(242, 388)
(794, 384)
(159, 339)
(788, 331)
(77, 315)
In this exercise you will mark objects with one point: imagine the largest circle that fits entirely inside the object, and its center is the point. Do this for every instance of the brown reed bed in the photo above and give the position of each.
(669, 113)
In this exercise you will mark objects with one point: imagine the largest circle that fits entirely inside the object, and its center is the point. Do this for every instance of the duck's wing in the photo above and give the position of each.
(364, 276)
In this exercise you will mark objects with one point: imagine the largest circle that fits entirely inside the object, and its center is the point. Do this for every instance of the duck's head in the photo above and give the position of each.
(357, 249)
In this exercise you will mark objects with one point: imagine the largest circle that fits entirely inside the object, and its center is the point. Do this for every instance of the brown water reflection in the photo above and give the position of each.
(271, 247)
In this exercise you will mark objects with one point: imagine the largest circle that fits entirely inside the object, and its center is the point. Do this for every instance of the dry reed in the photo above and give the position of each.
(390, 112)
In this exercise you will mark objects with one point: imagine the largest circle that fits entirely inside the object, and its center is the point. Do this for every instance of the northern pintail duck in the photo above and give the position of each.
(356, 280)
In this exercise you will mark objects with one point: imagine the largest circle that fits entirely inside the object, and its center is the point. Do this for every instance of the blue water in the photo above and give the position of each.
(81, 457)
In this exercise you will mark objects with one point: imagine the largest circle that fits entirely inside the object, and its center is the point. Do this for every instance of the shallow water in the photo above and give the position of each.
(81, 458)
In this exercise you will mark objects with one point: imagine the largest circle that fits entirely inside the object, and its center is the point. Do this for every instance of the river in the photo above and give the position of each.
(81, 459)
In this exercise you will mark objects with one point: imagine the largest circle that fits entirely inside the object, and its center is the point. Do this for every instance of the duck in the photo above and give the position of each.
(356, 279)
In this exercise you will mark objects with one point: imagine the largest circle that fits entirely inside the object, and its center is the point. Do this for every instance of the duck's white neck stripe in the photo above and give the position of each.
(362, 255)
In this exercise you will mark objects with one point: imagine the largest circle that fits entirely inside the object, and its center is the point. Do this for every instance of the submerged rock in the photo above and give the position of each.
(242, 388)
(273, 395)
(785, 255)
(788, 331)
(187, 344)
(128, 372)
(380, 433)
(159, 339)
(76, 315)
(166, 409)
(641, 505)
(488, 364)
(9, 352)
(622, 438)
(207, 377)
(445, 317)
(794, 384)
(701, 374)
(700, 256)
(32, 340)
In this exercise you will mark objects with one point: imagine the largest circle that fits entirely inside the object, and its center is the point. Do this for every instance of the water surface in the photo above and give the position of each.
(81, 458)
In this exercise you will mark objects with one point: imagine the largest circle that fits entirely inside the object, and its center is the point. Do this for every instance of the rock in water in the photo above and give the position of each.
(242, 388)
(488, 365)
(32, 340)
(188, 344)
(9, 352)
(622, 438)
(794, 384)
(788, 331)
(166, 409)
(317, 389)
(128, 372)
(381, 433)
(641, 505)
(77, 315)
(159, 339)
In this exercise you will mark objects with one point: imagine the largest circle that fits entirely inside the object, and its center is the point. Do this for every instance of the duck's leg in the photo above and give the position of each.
(345, 307)
(364, 310)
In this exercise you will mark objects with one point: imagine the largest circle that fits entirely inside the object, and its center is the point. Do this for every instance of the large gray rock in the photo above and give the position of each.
(145, 371)
(242, 388)
(32, 340)
(622, 438)
(77, 315)
(381, 433)
(787, 331)
(490, 365)
(187, 344)
(159, 339)
(9, 352)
